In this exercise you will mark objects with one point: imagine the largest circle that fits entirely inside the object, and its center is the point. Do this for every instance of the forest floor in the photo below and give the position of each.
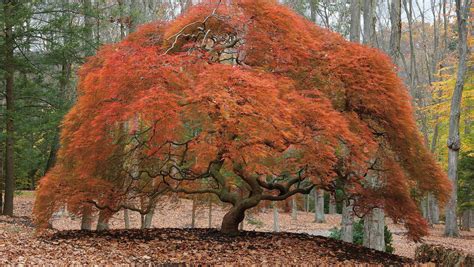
(19, 244)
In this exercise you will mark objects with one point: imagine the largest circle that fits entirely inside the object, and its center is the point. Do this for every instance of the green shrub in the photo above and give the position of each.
(358, 235)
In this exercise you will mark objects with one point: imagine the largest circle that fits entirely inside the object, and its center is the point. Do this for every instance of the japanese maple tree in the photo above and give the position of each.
(245, 100)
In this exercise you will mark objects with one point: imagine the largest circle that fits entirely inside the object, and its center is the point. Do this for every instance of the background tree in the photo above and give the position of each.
(454, 142)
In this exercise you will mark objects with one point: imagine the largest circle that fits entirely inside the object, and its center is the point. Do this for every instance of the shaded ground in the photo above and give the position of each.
(192, 246)
(19, 244)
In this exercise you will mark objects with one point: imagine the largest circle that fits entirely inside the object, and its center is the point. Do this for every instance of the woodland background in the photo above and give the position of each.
(48, 40)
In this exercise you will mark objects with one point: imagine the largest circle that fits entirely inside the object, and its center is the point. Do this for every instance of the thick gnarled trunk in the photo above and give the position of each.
(231, 220)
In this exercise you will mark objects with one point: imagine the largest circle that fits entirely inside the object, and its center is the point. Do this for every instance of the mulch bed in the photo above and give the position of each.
(204, 246)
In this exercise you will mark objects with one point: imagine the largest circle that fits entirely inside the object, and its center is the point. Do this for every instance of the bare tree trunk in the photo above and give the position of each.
(2, 173)
(135, 12)
(374, 220)
(148, 221)
(122, 18)
(276, 221)
(103, 221)
(396, 29)
(434, 208)
(294, 209)
(193, 214)
(374, 224)
(306, 203)
(9, 70)
(454, 141)
(355, 21)
(369, 22)
(210, 213)
(332, 204)
(86, 221)
(413, 74)
(466, 220)
(126, 218)
(445, 27)
(313, 7)
(432, 201)
(347, 221)
(319, 206)
(471, 218)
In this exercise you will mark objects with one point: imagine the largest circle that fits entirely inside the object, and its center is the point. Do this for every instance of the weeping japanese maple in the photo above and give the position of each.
(245, 100)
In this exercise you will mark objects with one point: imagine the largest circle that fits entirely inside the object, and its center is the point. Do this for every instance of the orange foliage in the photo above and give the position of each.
(297, 97)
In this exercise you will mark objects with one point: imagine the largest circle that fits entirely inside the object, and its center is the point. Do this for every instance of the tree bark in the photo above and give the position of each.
(408, 6)
(148, 221)
(294, 209)
(313, 8)
(374, 224)
(347, 221)
(466, 220)
(210, 213)
(454, 142)
(103, 221)
(126, 218)
(369, 22)
(276, 221)
(332, 204)
(306, 203)
(471, 217)
(86, 221)
(355, 21)
(396, 29)
(193, 214)
(374, 220)
(319, 206)
(232, 219)
(9, 68)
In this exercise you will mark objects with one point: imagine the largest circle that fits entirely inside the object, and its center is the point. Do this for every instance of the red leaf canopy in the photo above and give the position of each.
(251, 84)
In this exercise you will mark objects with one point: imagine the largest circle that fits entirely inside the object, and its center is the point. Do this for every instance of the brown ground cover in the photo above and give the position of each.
(19, 244)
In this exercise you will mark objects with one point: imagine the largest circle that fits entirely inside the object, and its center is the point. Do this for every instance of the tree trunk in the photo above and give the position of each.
(319, 206)
(413, 73)
(374, 224)
(332, 204)
(103, 221)
(396, 29)
(210, 213)
(306, 203)
(347, 221)
(86, 221)
(294, 209)
(135, 12)
(433, 202)
(466, 220)
(193, 214)
(148, 221)
(471, 218)
(9, 70)
(231, 220)
(454, 142)
(126, 218)
(355, 21)
(276, 221)
(369, 22)
(434, 209)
